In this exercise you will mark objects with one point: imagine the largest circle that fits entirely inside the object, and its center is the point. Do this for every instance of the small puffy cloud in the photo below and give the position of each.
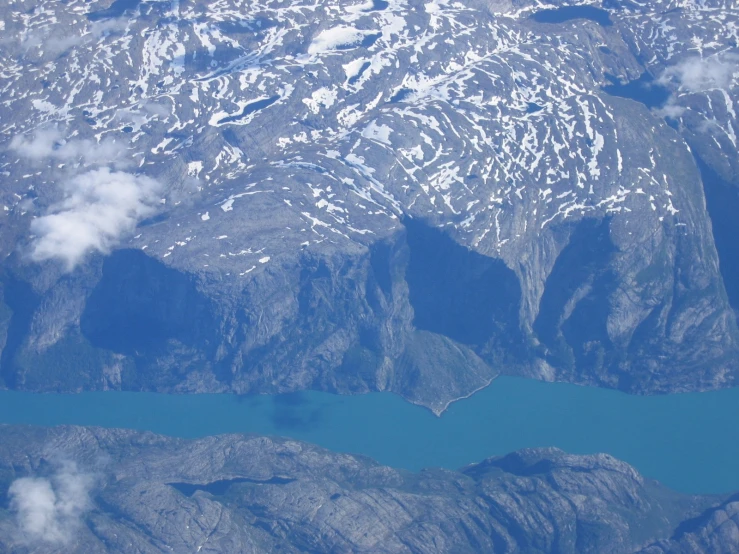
(60, 44)
(99, 207)
(159, 110)
(100, 202)
(50, 143)
(39, 146)
(143, 113)
(671, 110)
(336, 38)
(50, 510)
(34, 500)
(701, 74)
(58, 39)
(105, 27)
(695, 75)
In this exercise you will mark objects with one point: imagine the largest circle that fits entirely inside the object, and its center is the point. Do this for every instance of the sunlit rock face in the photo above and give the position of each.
(390, 195)
(139, 492)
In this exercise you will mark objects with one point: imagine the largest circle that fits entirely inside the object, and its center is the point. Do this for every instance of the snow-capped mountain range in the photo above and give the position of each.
(385, 195)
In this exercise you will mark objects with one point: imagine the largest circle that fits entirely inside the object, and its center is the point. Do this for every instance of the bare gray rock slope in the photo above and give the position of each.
(138, 492)
(715, 531)
(398, 195)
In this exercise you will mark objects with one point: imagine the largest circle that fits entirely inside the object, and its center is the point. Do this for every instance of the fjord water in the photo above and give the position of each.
(569, 13)
(689, 442)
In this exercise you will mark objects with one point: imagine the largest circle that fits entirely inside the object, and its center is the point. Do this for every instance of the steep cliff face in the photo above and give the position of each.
(137, 492)
(399, 196)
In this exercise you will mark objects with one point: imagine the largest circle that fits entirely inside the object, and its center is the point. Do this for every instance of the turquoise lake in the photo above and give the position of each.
(690, 442)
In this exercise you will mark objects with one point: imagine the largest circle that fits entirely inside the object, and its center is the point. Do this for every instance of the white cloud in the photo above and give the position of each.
(50, 143)
(159, 110)
(694, 75)
(337, 37)
(143, 113)
(100, 203)
(701, 74)
(50, 510)
(42, 144)
(99, 206)
(671, 109)
(60, 38)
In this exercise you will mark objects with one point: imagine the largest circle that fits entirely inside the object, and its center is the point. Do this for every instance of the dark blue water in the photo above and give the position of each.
(249, 109)
(401, 95)
(644, 89)
(355, 78)
(220, 487)
(379, 5)
(568, 13)
(369, 40)
(690, 442)
(116, 9)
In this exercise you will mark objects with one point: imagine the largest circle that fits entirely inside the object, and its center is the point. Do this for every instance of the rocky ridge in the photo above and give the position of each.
(126, 491)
